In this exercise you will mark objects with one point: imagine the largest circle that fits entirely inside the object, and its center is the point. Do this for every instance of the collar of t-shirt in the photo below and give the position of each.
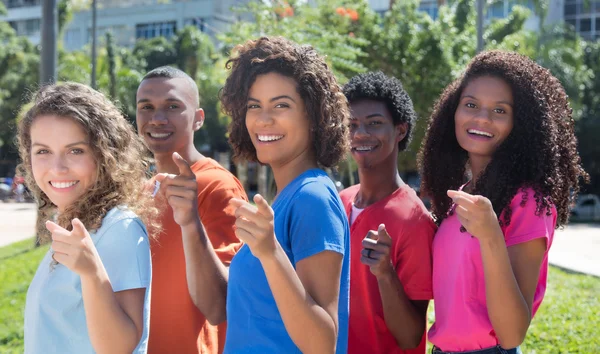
(355, 213)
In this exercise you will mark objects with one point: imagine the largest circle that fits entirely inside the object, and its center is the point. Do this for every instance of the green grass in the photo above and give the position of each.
(18, 263)
(567, 321)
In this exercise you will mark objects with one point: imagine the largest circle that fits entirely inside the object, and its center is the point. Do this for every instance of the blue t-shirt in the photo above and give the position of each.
(309, 219)
(54, 313)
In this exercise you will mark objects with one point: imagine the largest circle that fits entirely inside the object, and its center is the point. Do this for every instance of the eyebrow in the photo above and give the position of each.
(72, 144)
(274, 98)
(372, 115)
(170, 99)
(475, 98)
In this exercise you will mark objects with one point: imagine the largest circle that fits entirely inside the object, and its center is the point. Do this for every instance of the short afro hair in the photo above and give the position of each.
(379, 87)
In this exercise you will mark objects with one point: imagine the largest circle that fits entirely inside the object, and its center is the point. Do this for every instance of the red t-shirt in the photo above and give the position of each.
(176, 324)
(411, 228)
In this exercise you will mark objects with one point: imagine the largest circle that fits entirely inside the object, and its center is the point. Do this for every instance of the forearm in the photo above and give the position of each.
(205, 273)
(402, 318)
(311, 328)
(507, 308)
(110, 329)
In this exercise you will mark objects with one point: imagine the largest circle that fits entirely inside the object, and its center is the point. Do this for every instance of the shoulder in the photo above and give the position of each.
(215, 182)
(121, 221)
(348, 194)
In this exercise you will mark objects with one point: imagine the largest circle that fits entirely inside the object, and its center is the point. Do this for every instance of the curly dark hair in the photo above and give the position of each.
(539, 153)
(379, 87)
(117, 150)
(326, 105)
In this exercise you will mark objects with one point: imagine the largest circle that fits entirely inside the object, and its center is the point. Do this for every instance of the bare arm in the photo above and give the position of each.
(206, 275)
(307, 299)
(114, 320)
(404, 318)
(511, 277)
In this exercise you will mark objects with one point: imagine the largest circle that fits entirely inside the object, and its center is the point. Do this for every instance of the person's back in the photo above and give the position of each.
(391, 230)
(194, 196)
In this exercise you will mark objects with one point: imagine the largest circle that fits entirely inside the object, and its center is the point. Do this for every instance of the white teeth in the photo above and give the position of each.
(159, 135)
(364, 148)
(61, 185)
(479, 132)
(269, 137)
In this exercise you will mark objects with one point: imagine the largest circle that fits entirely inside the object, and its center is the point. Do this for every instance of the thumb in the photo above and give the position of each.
(383, 234)
(184, 167)
(53, 227)
(78, 228)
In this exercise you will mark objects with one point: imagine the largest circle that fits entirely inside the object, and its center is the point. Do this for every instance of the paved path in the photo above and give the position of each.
(576, 248)
(17, 222)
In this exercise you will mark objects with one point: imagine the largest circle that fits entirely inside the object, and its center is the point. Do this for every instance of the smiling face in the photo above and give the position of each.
(276, 120)
(167, 114)
(374, 137)
(62, 161)
(484, 116)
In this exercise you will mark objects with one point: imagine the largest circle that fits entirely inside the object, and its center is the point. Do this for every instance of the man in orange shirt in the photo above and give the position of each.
(194, 192)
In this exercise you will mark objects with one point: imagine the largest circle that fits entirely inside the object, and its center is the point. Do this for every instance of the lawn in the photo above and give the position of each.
(567, 321)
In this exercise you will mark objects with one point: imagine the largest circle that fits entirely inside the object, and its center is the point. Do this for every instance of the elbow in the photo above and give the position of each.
(216, 317)
(215, 314)
(513, 339)
(409, 342)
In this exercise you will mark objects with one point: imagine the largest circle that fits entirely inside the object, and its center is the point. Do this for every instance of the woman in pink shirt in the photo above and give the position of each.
(500, 164)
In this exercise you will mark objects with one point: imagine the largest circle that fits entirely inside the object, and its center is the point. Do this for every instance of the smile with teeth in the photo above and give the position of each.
(480, 132)
(63, 185)
(364, 148)
(159, 135)
(269, 138)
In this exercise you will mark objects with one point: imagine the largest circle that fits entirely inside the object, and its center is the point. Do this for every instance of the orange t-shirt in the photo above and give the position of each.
(176, 324)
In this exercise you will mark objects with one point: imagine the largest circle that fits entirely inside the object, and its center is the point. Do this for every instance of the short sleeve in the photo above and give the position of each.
(218, 217)
(318, 222)
(525, 225)
(413, 257)
(125, 254)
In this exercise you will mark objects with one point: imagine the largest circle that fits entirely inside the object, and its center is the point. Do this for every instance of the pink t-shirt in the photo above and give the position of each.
(462, 321)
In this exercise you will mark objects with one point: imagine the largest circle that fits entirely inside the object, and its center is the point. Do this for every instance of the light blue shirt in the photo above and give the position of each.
(309, 219)
(54, 313)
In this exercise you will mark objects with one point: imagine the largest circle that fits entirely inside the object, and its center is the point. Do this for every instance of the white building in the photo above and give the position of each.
(130, 20)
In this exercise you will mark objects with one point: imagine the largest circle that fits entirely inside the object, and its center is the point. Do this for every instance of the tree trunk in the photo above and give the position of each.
(49, 36)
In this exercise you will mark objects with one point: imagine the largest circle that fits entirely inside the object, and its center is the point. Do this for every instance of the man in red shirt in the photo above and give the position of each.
(391, 230)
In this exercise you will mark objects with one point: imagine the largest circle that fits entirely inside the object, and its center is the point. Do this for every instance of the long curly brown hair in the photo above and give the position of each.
(117, 149)
(539, 153)
(326, 105)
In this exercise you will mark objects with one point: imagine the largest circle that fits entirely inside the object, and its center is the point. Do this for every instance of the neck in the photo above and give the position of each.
(285, 174)
(477, 165)
(376, 183)
(165, 163)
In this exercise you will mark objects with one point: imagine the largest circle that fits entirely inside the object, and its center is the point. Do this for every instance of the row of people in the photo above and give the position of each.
(158, 266)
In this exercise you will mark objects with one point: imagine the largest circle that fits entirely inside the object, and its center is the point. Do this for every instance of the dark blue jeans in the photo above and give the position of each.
(492, 350)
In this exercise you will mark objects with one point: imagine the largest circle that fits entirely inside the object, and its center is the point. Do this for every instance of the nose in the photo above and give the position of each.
(360, 131)
(159, 117)
(483, 114)
(264, 118)
(59, 165)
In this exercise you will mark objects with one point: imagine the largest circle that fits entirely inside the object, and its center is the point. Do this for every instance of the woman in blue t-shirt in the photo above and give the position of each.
(289, 284)
(83, 162)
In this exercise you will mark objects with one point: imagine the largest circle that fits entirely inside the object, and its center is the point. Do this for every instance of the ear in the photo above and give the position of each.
(400, 130)
(198, 119)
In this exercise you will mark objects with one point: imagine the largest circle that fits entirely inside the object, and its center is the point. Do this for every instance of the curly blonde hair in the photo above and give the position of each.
(326, 105)
(118, 151)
